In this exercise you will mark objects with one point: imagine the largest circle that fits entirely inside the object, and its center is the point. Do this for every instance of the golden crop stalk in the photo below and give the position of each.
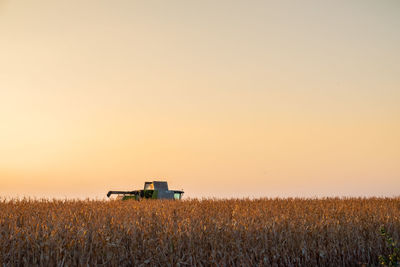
(260, 232)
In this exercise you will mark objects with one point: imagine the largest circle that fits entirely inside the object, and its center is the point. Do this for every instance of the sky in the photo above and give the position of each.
(220, 98)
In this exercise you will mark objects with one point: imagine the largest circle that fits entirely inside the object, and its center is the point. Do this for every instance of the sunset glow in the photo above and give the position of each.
(227, 99)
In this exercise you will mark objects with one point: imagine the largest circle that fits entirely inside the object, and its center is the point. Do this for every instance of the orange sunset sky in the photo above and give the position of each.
(220, 98)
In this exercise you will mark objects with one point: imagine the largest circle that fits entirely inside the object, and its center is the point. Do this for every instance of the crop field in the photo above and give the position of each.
(234, 232)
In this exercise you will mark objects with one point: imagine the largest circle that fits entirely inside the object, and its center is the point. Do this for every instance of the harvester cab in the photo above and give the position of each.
(151, 190)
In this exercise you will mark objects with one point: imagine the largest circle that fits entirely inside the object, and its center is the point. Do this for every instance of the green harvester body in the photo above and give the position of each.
(151, 190)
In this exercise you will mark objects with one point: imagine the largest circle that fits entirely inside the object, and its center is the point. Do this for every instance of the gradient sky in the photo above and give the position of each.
(220, 98)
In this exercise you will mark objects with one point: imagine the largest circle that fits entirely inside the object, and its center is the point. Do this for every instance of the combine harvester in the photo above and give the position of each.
(152, 190)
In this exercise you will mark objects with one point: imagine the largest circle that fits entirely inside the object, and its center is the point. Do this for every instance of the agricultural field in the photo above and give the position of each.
(234, 232)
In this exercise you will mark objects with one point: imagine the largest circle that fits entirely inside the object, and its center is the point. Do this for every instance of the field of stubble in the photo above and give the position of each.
(263, 232)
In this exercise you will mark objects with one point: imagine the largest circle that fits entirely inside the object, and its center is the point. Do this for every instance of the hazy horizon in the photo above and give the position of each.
(221, 99)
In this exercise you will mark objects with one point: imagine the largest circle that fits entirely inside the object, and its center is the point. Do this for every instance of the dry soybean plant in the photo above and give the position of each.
(208, 232)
